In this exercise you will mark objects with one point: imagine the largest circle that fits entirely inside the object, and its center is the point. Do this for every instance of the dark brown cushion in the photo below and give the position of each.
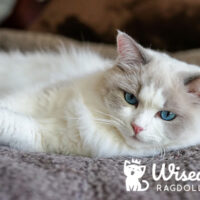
(164, 24)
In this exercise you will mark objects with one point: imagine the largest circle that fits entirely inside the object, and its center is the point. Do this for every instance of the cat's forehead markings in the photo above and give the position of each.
(151, 95)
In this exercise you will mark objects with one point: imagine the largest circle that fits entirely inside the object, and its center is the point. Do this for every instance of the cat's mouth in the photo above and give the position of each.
(139, 140)
(136, 138)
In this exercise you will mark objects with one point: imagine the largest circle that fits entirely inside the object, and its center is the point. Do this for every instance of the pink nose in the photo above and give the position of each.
(136, 128)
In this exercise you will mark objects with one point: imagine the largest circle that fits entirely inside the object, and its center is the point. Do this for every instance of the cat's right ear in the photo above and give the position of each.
(193, 85)
(130, 53)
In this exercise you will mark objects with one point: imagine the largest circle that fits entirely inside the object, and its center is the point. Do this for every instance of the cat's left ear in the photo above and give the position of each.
(130, 53)
(193, 85)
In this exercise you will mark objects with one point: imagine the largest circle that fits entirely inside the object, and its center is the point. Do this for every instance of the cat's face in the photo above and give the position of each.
(134, 170)
(154, 99)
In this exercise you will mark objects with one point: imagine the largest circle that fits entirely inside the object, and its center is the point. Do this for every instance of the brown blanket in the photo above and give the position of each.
(39, 176)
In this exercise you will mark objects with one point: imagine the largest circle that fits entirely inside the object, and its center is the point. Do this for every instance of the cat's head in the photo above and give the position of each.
(133, 170)
(154, 99)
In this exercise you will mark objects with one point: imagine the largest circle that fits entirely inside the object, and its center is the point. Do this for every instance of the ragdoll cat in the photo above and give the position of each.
(78, 103)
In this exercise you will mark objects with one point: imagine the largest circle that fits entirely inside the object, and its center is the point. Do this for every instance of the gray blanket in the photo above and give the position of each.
(39, 176)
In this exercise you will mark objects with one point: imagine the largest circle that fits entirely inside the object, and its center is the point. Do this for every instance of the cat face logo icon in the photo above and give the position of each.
(134, 172)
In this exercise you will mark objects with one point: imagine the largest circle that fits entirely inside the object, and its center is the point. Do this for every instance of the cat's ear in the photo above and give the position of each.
(130, 53)
(143, 168)
(126, 162)
(193, 85)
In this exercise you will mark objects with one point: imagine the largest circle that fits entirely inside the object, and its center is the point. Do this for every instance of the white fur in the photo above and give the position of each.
(24, 70)
(47, 105)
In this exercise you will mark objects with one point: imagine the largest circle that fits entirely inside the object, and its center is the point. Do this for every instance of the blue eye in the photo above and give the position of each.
(130, 98)
(167, 115)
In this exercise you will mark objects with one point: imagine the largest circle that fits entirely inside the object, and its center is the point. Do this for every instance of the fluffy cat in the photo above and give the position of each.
(76, 102)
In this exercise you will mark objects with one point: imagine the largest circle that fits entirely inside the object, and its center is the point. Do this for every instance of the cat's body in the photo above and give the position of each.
(73, 102)
(40, 88)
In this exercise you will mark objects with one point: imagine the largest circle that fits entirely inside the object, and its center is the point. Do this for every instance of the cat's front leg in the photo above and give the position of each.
(127, 185)
(19, 131)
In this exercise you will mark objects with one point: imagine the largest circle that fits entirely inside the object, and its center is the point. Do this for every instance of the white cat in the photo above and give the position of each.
(134, 172)
(76, 102)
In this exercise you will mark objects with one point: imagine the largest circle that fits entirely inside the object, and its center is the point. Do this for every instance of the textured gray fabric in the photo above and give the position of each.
(41, 176)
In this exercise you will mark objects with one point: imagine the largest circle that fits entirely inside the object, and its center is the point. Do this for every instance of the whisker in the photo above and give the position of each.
(111, 116)
(111, 122)
(157, 146)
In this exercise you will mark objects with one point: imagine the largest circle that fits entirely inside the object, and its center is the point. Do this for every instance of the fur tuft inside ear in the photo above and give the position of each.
(130, 53)
(193, 85)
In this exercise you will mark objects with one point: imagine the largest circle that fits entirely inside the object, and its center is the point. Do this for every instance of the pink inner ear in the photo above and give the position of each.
(194, 87)
(129, 51)
(123, 45)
